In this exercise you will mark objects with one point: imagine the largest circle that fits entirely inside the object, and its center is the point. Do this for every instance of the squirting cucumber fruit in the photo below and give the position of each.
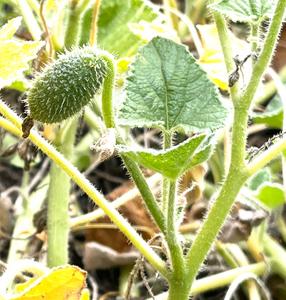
(67, 85)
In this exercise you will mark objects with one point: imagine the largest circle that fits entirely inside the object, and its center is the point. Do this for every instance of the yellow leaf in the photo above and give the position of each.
(85, 295)
(212, 59)
(14, 54)
(60, 283)
(15, 57)
(21, 287)
(8, 30)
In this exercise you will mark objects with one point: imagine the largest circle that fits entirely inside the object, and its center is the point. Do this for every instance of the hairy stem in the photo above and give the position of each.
(167, 143)
(74, 23)
(145, 192)
(226, 46)
(266, 54)
(58, 201)
(90, 190)
(132, 167)
(238, 173)
(107, 91)
(179, 280)
(220, 280)
(263, 159)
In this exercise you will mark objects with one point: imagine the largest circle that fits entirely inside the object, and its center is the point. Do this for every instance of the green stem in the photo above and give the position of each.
(254, 38)
(277, 255)
(132, 167)
(74, 23)
(214, 221)
(227, 51)
(107, 91)
(179, 281)
(238, 173)
(122, 200)
(178, 289)
(86, 186)
(30, 19)
(220, 280)
(263, 159)
(58, 202)
(167, 143)
(265, 57)
(145, 192)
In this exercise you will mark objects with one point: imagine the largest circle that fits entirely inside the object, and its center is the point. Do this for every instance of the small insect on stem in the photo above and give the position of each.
(235, 75)
(27, 125)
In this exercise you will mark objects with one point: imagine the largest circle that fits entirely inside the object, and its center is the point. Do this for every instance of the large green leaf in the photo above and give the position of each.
(167, 89)
(15, 54)
(175, 161)
(115, 22)
(247, 11)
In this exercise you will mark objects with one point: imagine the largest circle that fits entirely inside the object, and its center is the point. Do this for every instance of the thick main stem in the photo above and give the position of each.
(178, 281)
(238, 173)
(58, 201)
(222, 205)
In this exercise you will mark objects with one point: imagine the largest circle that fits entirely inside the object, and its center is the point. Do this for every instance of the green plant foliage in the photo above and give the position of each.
(248, 11)
(167, 89)
(261, 177)
(8, 10)
(271, 195)
(67, 85)
(175, 161)
(115, 22)
(272, 116)
(15, 54)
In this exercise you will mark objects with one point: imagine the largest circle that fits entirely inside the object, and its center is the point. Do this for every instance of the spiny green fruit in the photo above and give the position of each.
(67, 85)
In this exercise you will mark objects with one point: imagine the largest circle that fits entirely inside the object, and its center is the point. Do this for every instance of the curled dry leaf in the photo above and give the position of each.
(97, 256)
(192, 183)
(66, 282)
(240, 223)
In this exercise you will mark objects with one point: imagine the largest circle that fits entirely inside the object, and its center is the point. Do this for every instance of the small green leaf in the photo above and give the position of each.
(8, 30)
(271, 195)
(175, 161)
(167, 89)
(272, 116)
(247, 11)
(259, 178)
